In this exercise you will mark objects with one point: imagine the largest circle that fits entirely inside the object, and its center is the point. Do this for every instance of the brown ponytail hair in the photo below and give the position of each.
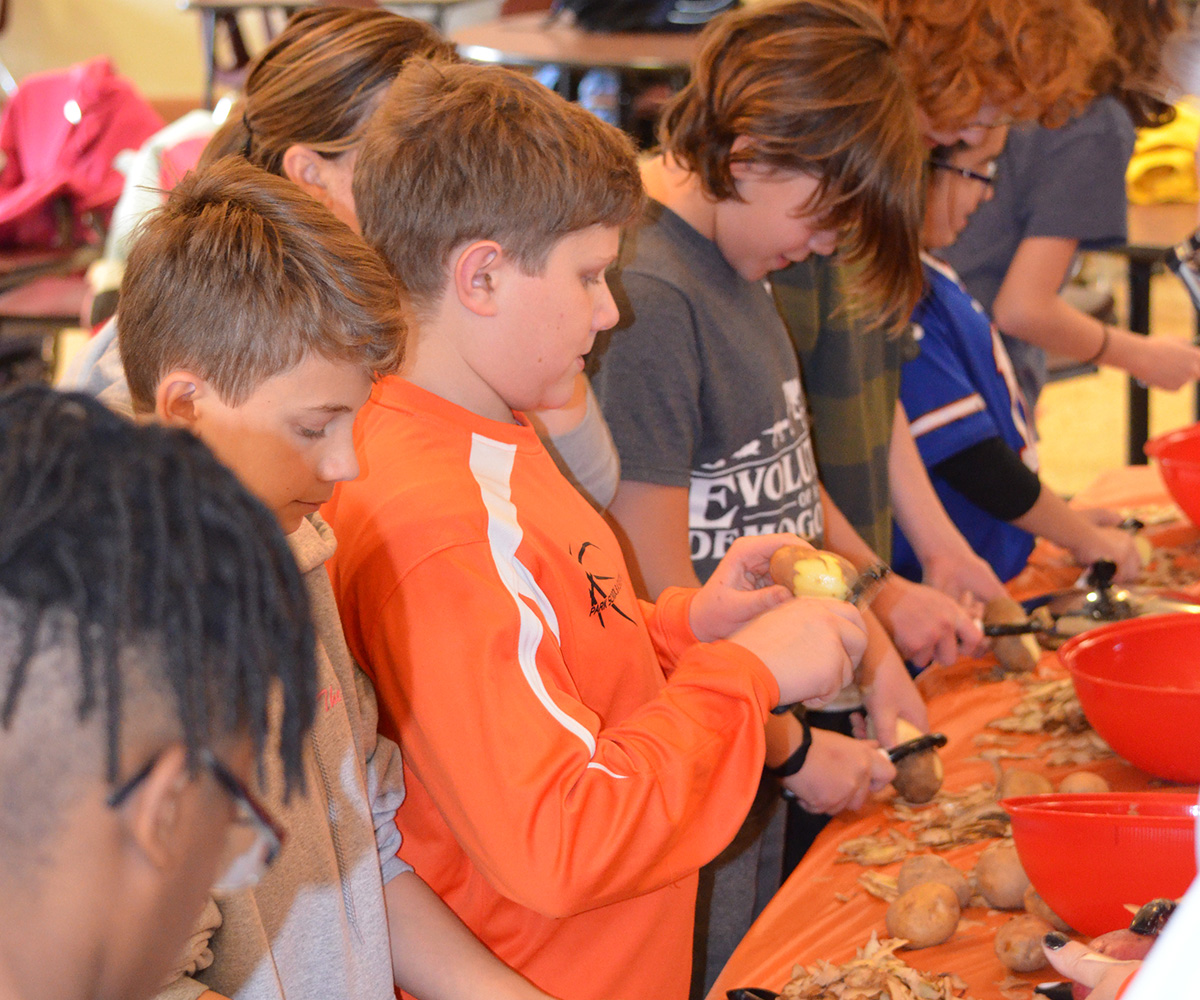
(317, 83)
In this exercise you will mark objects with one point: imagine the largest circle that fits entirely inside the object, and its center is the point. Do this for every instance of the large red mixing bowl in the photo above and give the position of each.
(1091, 856)
(1138, 683)
(1178, 458)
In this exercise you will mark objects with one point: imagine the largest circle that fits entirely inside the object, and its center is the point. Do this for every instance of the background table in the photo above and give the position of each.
(535, 40)
(807, 920)
(227, 12)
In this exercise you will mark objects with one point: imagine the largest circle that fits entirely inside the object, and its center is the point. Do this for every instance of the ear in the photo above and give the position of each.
(307, 169)
(477, 271)
(740, 169)
(155, 811)
(176, 397)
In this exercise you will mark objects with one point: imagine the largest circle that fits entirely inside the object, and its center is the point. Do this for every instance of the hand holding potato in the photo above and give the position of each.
(888, 692)
(811, 646)
(741, 587)
(925, 624)
(1102, 974)
(1118, 546)
(838, 773)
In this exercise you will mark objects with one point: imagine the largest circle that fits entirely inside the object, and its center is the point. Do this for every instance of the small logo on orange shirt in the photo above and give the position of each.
(602, 599)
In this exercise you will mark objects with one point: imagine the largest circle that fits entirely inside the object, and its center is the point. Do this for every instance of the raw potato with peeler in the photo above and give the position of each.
(810, 572)
(817, 573)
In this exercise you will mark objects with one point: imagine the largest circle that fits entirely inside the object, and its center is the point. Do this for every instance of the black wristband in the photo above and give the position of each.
(796, 760)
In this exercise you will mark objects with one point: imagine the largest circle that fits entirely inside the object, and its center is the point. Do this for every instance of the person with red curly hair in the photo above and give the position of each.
(975, 62)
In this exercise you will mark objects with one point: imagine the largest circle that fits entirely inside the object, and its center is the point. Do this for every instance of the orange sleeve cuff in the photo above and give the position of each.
(1125, 985)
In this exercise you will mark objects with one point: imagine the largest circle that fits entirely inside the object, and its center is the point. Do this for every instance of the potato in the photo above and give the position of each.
(1123, 944)
(918, 776)
(1019, 943)
(1015, 782)
(1145, 548)
(1017, 653)
(922, 868)
(1036, 906)
(1083, 783)
(925, 915)
(1000, 877)
(812, 572)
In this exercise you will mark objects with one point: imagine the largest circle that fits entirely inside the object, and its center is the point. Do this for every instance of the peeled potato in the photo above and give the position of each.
(922, 868)
(1001, 879)
(1016, 781)
(811, 572)
(1018, 653)
(1083, 783)
(1036, 906)
(918, 776)
(1019, 943)
(925, 915)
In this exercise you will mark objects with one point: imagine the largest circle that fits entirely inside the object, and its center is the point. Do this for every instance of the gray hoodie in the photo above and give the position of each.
(315, 925)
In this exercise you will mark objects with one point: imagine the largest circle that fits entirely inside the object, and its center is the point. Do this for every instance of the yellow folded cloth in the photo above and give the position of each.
(1163, 166)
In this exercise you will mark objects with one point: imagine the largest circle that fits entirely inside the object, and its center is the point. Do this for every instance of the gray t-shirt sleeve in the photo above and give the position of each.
(648, 379)
(586, 455)
(385, 781)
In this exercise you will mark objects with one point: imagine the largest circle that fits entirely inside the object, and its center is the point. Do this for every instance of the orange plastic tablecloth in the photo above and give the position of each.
(822, 913)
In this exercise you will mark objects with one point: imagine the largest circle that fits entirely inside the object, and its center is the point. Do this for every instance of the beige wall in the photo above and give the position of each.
(150, 41)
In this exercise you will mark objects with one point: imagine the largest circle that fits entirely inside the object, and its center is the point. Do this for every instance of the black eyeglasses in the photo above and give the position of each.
(988, 177)
(252, 840)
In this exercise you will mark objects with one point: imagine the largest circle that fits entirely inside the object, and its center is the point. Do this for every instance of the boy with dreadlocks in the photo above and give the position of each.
(147, 605)
(253, 317)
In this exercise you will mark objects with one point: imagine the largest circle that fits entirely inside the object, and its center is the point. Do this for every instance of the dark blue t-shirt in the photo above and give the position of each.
(960, 391)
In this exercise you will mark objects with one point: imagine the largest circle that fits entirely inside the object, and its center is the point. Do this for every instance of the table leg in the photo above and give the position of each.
(208, 42)
(1196, 386)
(1139, 322)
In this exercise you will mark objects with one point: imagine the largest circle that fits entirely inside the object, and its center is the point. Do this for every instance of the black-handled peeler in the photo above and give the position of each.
(930, 741)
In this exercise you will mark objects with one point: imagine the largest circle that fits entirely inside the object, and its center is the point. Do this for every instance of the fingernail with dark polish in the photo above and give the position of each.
(1054, 940)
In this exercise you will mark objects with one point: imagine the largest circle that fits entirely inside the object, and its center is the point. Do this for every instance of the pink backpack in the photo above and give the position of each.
(60, 134)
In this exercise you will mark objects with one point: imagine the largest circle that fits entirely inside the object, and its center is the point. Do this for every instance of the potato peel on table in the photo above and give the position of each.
(950, 820)
(874, 972)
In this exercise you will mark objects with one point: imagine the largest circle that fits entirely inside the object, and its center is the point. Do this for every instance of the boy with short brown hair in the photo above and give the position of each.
(574, 755)
(255, 319)
(796, 135)
(241, 278)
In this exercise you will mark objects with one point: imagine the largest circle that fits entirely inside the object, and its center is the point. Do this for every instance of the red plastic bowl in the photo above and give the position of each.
(1178, 457)
(1138, 683)
(1089, 856)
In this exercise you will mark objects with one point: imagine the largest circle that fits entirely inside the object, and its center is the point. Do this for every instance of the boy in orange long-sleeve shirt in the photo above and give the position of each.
(572, 755)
